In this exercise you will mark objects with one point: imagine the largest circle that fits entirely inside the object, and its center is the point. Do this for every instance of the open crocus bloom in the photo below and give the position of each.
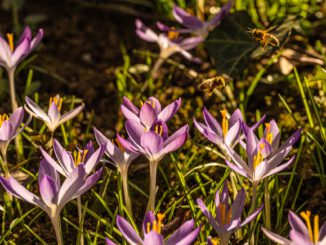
(168, 46)
(150, 111)
(220, 135)
(67, 162)
(11, 54)
(193, 24)
(152, 143)
(152, 228)
(227, 219)
(263, 161)
(54, 196)
(9, 127)
(301, 233)
(120, 156)
(53, 117)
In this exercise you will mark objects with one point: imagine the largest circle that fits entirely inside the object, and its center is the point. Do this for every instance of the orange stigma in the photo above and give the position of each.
(118, 144)
(10, 37)
(156, 225)
(57, 102)
(3, 117)
(225, 123)
(313, 234)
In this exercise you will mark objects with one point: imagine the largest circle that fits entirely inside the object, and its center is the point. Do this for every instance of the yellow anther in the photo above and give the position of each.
(225, 123)
(57, 102)
(173, 34)
(141, 103)
(226, 217)
(306, 217)
(259, 157)
(316, 228)
(269, 135)
(160, 218)
(148, 227)
(159, 129)
(151, 103)
(79, 157)
(10, 37)
(119, 144)
(3, 117)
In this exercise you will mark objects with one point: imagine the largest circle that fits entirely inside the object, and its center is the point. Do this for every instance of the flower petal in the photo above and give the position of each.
(48, 190)
(176, 140)
(53, 163)
(128, 231)
(276, 238)
(251, 216)
(147, 115)
(71, 114)
(37, 39)
(185, 235)
(16, 118)
(186, 19)
(6, 131)
(135, 130)
(212, 123)
(89, 182)
(152, 143)
(297, 224)
(20, 52)
(168, 112)
(35, 110)
(207, 214)
(144, 32)
(94, 159)
(64, 157)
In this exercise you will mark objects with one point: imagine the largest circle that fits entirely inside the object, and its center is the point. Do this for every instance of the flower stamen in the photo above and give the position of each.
(173, 34)
(3, 117)
(10, 37)
(269, 135)
(259, 157)
(118, 144)
(159, 129)
(160, 218)
(79, 156)
(57, 102)
(225, 123)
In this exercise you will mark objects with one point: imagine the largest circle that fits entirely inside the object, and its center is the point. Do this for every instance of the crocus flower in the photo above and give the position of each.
(168, 46)
(227, 219)
(11, 54)
(263, 161)
(67, 162)
(193, 24)
(10, 127)
(154, 146)
(220, 135)
(152, 228)
(53, 117)
(150, 111)
(54, 196)
(121, 158)
(300, 232)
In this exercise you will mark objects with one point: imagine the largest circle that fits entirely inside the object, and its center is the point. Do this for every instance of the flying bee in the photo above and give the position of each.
(264, 37)
(211, 84)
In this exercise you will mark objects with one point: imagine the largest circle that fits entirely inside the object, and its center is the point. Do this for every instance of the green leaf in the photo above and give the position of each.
(230, 45)
(320, 74)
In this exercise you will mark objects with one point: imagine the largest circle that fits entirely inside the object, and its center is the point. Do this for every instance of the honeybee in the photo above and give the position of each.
(211, 84)
(264, 37)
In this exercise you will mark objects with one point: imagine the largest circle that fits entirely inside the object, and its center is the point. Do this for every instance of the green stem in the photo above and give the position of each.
(56, 222)
(80, 217)
(267, 202)
(124, 177)
(152, 185)
(4, 163)
(253, 207)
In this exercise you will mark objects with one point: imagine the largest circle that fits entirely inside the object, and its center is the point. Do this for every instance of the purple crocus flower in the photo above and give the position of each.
(168, 46)
(121, 158)
(227, 219)
(301, 233)
(220, 135)
(54, 196)
(153, 144)
(263, 159)
(150, 112)
(53, 117)
(152, 228)
(193, 24)
(11, 54)
(9, 127)
(67, 162)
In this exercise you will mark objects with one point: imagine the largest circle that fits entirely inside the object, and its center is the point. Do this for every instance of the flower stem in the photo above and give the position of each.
(80, 214)
(11, 75)
(4, 163)
(124, 177)
(267, 202)
(158, 63)
(152, 185)
(253, 207)
(56, 222)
